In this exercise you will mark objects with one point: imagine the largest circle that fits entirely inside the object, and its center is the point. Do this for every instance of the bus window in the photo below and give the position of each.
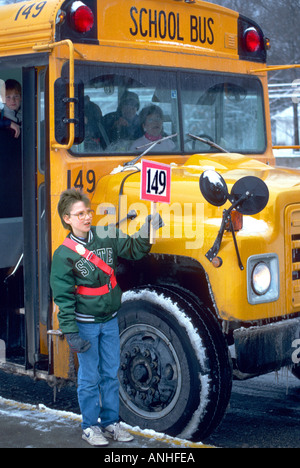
(224, 109)
(109, 92)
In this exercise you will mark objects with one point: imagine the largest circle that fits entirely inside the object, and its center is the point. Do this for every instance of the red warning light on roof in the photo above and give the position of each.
(252, 40)
(82, 17)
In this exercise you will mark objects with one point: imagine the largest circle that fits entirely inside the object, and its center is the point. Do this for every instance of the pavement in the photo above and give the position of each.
(35, 426)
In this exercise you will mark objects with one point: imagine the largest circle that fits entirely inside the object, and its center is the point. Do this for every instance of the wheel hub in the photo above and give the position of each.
(150, 374)
(141, 373)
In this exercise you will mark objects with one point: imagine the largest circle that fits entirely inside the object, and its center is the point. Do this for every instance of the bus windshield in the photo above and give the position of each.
(127, 109)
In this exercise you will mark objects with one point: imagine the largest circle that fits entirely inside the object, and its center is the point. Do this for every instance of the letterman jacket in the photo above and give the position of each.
(70, 270)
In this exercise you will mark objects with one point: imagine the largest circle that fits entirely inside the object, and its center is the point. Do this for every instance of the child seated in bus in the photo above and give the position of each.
(11, 115)
(95, 135)
(124, 123)
(151, 119)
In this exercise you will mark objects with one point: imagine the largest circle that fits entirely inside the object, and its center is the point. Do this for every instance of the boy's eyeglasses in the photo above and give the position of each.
(83, 214)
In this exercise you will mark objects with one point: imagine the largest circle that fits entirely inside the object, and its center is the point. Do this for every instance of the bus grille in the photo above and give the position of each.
(293, 257)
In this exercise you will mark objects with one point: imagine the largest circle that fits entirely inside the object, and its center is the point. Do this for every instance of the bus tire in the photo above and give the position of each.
(175, 371)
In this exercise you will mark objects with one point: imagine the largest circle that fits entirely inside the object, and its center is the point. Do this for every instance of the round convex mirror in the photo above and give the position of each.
(213, 188)
(258, 195)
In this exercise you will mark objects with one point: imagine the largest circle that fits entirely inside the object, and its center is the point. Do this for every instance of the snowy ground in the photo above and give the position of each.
(36, 426)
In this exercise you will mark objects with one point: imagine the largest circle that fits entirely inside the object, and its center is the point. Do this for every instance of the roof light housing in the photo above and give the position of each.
(252, 44)
(78, 22)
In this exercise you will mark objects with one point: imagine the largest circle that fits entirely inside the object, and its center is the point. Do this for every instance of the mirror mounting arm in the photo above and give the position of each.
(236, 246)
(249, 196)
(213, 252)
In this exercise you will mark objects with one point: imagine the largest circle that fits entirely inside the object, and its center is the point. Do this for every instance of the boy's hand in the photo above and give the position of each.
(16, 128)
(76, 343)
(156, 221)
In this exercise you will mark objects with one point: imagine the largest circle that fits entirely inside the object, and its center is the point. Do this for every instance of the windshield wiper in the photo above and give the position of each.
(148, 147)
(208, 142)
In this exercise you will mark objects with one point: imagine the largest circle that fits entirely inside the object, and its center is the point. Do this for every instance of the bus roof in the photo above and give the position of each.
(197, 27)
(25, 24)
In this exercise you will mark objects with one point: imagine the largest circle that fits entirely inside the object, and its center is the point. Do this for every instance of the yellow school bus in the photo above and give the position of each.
(218, 297)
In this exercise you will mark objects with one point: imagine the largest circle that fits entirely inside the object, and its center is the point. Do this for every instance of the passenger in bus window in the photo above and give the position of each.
(124, 124)
(10, 151)
(95, 138)
(11, 115)
(151, 119)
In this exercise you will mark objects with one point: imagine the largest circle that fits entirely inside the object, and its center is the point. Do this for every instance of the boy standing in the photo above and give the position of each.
(88, 298)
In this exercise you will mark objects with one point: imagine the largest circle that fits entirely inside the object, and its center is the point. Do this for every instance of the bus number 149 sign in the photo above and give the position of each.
(155, 182)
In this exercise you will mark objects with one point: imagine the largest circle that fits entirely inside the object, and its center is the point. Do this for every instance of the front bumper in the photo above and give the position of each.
(266, 348)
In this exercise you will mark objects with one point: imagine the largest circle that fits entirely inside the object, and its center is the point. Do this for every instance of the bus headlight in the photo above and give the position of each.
(263, 278)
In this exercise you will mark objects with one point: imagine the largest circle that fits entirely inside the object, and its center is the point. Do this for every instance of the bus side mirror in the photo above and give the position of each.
(61, 110)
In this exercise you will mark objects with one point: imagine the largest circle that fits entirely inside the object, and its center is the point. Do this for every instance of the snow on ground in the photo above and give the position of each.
(39, 426)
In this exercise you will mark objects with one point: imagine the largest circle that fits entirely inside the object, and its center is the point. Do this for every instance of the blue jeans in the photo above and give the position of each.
(98, 384)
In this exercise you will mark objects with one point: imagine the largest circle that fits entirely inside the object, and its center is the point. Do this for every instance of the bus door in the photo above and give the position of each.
(12, 310)
(19, 240)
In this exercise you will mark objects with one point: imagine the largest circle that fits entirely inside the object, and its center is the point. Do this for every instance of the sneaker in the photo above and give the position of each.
(114, 431)
(94, 436)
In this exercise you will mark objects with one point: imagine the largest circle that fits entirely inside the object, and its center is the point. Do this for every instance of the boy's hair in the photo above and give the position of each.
(67, 200)
(11, 84)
